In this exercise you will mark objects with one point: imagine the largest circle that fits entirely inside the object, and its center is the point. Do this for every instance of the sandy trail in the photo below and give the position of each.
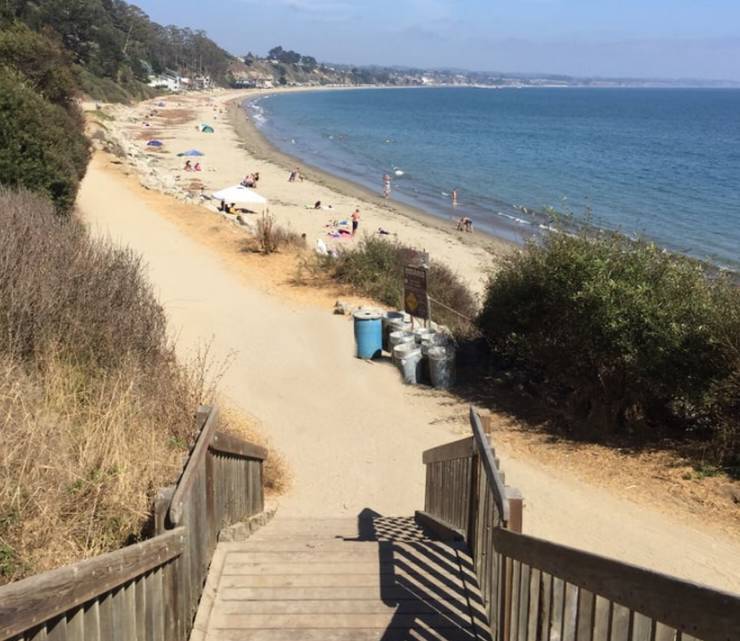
(351, 432)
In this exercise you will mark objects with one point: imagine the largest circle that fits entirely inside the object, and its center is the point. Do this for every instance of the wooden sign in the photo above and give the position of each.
(415, 298)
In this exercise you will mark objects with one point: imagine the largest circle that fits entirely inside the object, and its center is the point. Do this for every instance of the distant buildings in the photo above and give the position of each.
(176, 83)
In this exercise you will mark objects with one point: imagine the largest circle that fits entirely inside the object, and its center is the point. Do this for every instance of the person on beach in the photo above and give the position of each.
(292, 177)
(464, 224)
(317, 204)
(453, 197)
(248, 181)
(355, 221)
(188, 166)
(386, 186)
(197, 167)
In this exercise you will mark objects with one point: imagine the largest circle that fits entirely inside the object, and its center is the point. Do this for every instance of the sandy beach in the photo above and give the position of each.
(236, 148)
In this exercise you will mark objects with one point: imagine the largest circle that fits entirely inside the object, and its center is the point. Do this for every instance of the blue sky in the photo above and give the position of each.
(641, 38)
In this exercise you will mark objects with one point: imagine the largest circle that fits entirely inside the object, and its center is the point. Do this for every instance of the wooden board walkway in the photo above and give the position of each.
(366, 579)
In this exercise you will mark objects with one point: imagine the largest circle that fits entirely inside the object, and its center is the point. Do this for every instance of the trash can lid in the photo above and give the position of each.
(367, 314)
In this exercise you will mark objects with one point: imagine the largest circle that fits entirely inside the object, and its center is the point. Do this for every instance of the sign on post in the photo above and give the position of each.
(415, 298)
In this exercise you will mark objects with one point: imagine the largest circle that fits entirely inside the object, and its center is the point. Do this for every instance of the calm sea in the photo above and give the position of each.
(661, 164)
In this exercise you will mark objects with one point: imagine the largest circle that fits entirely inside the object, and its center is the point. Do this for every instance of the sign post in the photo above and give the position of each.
(415, 297)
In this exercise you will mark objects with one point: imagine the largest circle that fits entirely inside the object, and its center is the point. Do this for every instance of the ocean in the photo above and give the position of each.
(659, 164)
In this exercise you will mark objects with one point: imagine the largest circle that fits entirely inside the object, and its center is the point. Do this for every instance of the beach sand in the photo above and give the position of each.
(237, 148)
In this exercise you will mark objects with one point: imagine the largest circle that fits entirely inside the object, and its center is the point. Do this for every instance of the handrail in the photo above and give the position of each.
(489, 465)
(228, 444)
(194, 460)
(703, 612)
(39, 598)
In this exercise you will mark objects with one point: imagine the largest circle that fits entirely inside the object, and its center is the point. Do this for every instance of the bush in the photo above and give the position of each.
(271, 237)
(42, 145)
(375, 269)
(633, 337)
(95, 411)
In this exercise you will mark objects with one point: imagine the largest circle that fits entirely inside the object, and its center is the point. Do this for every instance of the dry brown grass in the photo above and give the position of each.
(95, 411)
(277, 476)
(270, 237)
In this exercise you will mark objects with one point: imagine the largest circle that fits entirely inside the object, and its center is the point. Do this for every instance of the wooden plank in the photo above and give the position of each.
(127, 621)
(621, 622)
(570, 612)
(76, 625)
(535, 584)
(155, 612)
(445, 531)
(642, 628)
(546, 600)
(464, 448)
(602, 619)
(92, 622)
(229, 444)
(699, 610)
(105, 617)
(336, 606)
(56, 630)
(585, 621)
(294, 622)
(556, 609)
(492, 474)
(417, 632)
(29, 602)
(396, 592)
(193, 465)
(140, 608)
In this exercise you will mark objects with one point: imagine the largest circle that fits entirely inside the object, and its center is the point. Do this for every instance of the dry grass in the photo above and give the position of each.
(277, 477)
(95, 411)
(270, 237)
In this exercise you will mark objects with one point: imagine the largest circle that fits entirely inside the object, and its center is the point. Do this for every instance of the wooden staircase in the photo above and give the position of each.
(362, 579)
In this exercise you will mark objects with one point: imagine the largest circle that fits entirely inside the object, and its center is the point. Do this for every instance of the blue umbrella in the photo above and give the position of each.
(154, 143)
(191, 152)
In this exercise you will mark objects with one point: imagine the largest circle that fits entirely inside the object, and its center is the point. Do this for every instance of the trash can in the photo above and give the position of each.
(368, 334)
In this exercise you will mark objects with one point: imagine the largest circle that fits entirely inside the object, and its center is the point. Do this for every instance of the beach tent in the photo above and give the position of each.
(191, 152)
(240, 195)
(206, 129)
(154, 143)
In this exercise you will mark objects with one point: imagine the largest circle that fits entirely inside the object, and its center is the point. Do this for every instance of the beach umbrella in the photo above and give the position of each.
(240, 195)
(154, 143)
(191, 152)
(206, 129)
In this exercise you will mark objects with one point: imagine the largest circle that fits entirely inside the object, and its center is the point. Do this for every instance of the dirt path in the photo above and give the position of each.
(352, 434)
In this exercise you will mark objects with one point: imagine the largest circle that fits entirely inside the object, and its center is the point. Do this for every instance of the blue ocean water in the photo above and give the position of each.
(660, 164)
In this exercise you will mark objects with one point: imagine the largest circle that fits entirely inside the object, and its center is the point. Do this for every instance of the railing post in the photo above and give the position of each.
(212, 528)
(516, 509)
(473, 501)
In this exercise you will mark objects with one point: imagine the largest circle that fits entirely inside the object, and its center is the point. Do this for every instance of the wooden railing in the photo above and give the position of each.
(148, 591)
(535, 590)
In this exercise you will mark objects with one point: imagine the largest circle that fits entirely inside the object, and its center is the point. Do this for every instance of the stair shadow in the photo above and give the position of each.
(430, 584)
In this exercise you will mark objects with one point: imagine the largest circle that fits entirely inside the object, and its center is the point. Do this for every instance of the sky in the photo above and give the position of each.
(697, 39)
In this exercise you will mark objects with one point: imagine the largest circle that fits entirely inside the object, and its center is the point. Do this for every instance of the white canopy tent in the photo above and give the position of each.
(240, 195)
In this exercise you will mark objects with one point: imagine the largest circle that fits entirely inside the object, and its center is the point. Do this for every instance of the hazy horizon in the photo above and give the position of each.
(669, 39)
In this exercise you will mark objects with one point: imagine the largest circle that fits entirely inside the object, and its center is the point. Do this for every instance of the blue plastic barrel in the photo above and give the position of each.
(368, 334)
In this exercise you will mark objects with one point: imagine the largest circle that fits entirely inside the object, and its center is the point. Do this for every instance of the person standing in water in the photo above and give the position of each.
(355, 220)
(453, 196)
(386, 186)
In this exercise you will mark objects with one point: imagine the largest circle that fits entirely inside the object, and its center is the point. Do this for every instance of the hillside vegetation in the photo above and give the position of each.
(115, 46)
(95, 411)
(625, 339)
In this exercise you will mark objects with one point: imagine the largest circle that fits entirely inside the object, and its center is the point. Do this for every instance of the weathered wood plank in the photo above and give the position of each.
(76, 625)
(193, 465)
(696, 609)
(156, 613)
(228, 444)
(29, 602)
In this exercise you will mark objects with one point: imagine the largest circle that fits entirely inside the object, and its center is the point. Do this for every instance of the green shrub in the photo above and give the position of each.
(632, 336)
(42, 145)
(375, 269)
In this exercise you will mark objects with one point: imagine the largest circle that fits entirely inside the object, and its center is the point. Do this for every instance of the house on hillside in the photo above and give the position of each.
(167, 80)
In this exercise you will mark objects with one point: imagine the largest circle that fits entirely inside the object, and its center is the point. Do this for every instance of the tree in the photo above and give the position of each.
(42, 146)
(43, 63)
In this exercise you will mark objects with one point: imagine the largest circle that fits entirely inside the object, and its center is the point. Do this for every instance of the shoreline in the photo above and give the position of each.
(258, 145)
